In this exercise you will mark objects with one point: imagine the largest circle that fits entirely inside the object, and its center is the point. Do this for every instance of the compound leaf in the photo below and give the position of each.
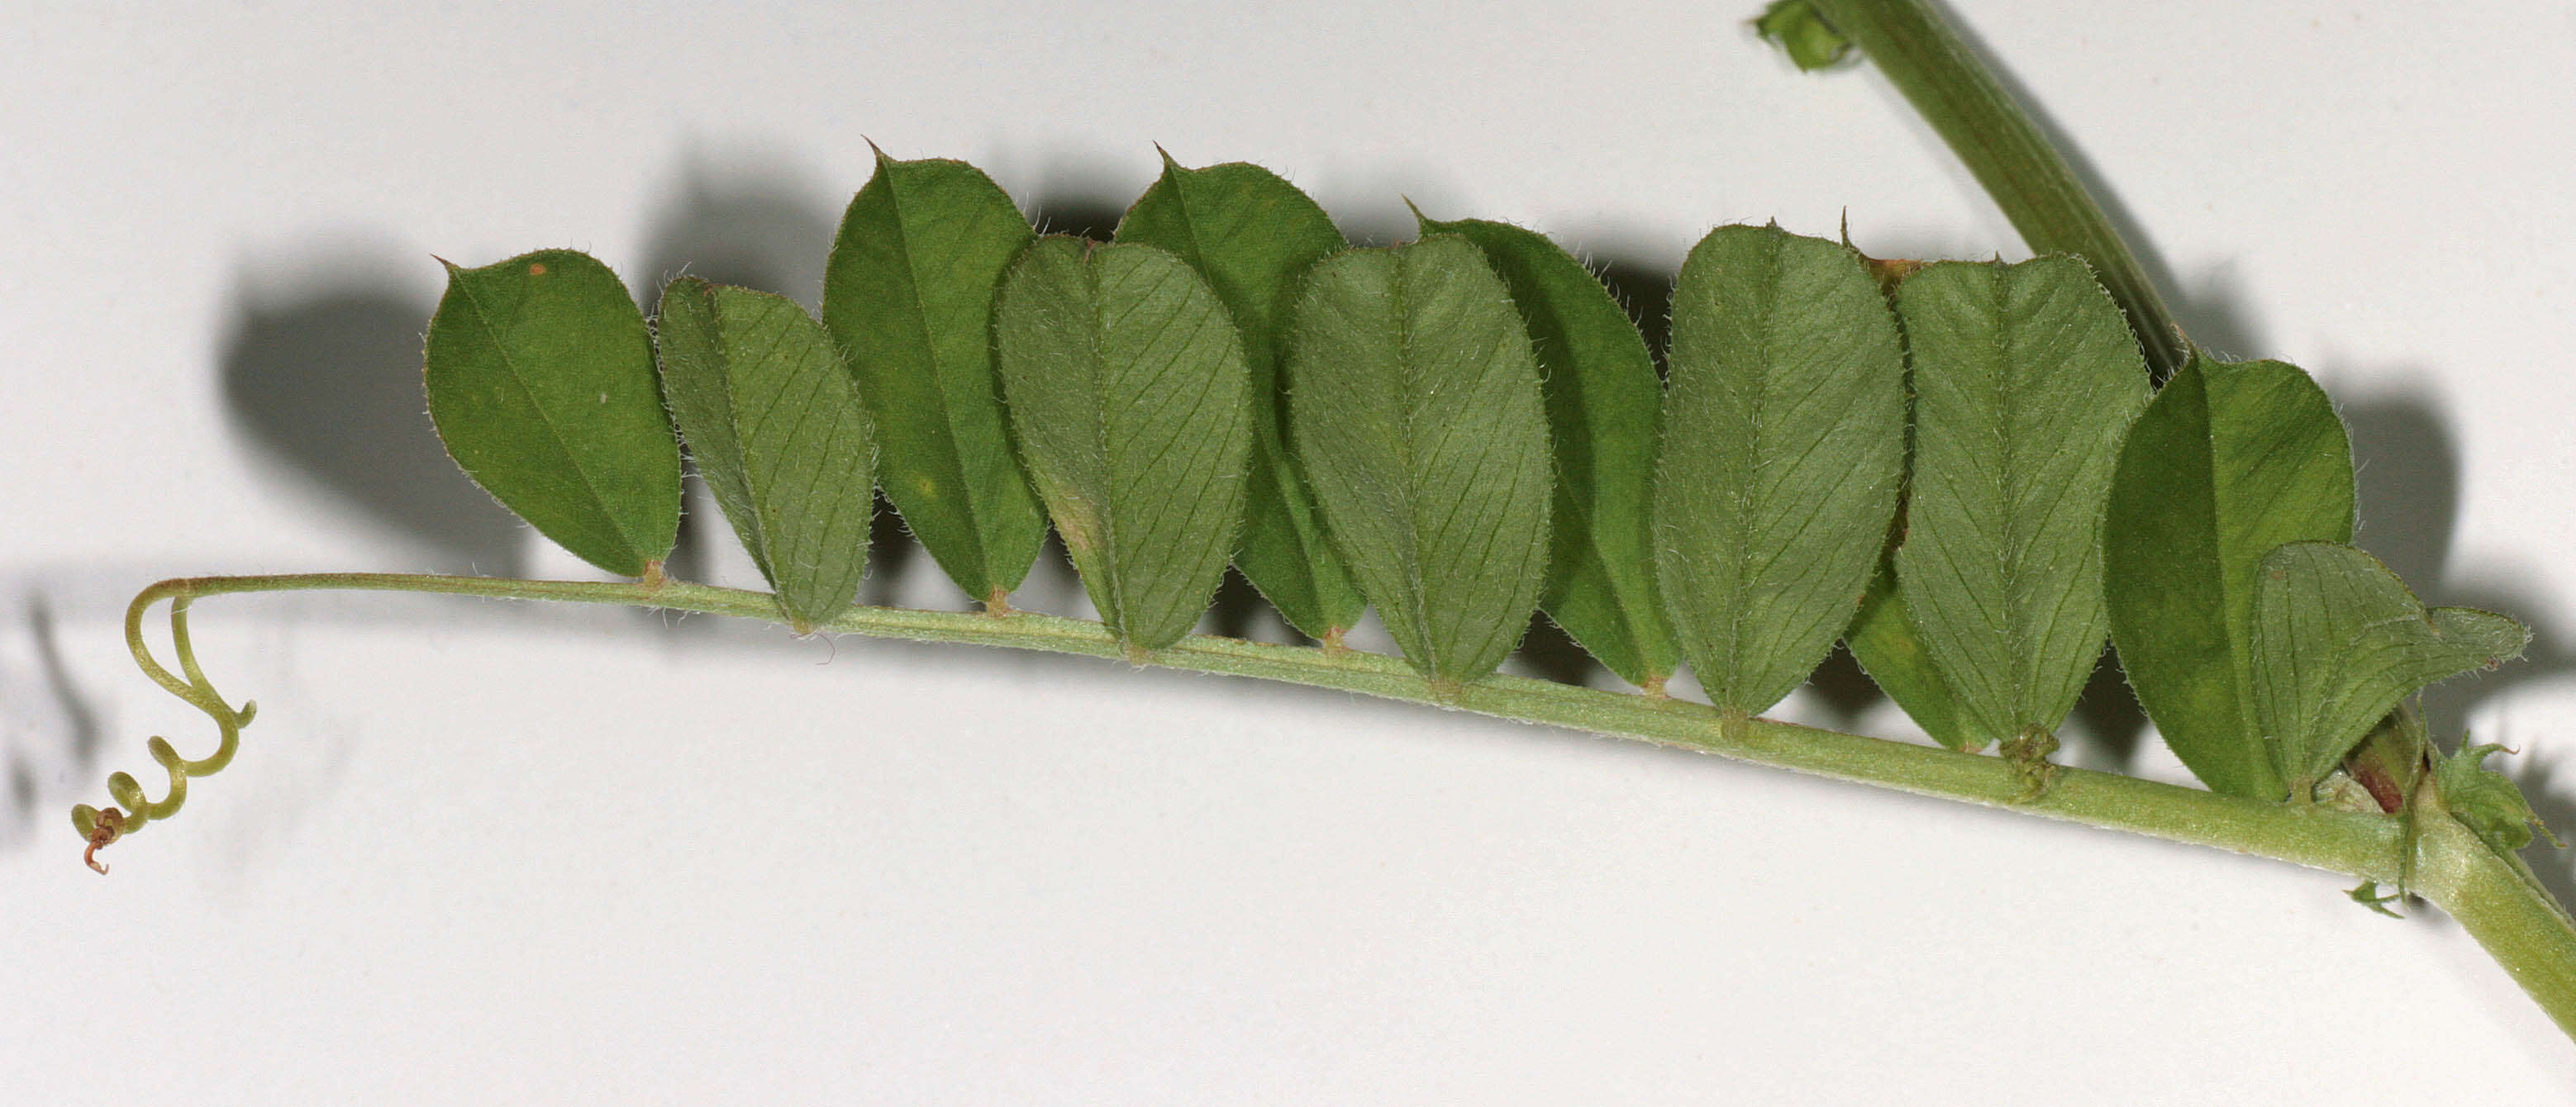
(908, 295)
(1253, 235)
(1603, 405)
(1414, 408)
(2025, 378)
(1127, 385)
(775, 427)
(2228, 463)
(540, 378)
(1783, 445)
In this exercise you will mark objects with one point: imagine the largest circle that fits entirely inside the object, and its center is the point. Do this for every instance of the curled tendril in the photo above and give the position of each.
(101, 828)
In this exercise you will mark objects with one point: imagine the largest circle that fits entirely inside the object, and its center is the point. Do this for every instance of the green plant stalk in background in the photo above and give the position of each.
(2026, 175)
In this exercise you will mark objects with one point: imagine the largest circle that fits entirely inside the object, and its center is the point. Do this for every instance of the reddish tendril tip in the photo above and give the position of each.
(111, 824)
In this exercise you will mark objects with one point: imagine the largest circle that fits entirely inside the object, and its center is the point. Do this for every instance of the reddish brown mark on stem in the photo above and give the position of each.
(2382, 786)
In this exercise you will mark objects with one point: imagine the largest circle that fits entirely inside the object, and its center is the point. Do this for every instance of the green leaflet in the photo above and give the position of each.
(1882, 635)
(1414, 407)
(2228, 463)
(775, 427)
(1252, 235)
(540, 379)
(1127, 386)
(2338, 640)
(1884, 640)
(1783, 443)
(2025, 376)
(1602, 409)
(908, 295)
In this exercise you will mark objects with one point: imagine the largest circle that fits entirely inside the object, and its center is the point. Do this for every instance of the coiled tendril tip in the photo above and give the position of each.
(100, 828)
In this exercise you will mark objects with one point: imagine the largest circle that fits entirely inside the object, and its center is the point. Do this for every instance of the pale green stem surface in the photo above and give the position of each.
(2494, 899)
(2498, 901)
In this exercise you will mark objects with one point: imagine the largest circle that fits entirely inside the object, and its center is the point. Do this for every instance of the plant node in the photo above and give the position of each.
(2028, 752)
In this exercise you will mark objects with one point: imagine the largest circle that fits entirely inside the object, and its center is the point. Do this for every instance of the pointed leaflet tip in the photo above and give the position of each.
(1420, 221)
(1169, 166)
(908, 294)
(540, 378)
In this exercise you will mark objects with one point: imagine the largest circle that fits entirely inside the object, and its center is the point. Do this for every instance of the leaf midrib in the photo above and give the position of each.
(1400, 318)
(1269, 460)
(951, 457)
(553, 433)
(1086, 264)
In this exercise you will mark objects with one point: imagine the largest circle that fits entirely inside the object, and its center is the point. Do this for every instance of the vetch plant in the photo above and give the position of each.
(1960, 469)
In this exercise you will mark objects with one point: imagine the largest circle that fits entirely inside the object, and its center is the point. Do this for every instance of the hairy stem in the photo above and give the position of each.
(2364, 845)
(2518, 922)
(2497, 902)
(1960, 97)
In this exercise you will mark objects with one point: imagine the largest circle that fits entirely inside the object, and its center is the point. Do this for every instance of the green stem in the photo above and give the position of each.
(2510, 914)
(2365, 845)
(2020, 169)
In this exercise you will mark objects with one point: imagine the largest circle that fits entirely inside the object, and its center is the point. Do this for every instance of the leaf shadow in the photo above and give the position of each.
(2110, 724)
(1841, 690)
(1548, 653)
(2406, 465)
(1083, 214)
(53, 728)
(320, 368)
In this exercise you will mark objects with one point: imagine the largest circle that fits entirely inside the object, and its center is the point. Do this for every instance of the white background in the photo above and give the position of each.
(475, 853)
